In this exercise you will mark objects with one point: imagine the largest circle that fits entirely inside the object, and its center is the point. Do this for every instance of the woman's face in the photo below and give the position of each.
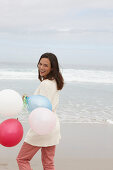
(44, 67)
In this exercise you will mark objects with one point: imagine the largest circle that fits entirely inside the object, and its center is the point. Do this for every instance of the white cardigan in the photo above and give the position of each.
(47, 88)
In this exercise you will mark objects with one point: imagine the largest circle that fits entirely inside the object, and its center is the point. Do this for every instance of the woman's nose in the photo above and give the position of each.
(41, 67)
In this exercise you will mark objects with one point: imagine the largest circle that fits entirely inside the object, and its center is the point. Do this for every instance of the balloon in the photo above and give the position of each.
(42, 121)
(36, 101)
(10, 102)
(11, 132)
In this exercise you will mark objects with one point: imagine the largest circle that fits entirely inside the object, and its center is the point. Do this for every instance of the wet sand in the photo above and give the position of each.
(84, 146)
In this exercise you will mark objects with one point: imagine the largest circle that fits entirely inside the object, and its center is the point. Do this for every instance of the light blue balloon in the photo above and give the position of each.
(37, 101)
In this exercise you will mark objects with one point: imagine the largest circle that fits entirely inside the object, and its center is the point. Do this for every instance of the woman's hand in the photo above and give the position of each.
(23, 97)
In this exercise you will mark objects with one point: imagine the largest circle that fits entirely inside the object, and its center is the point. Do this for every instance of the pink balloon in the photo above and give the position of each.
(42, 120)
(11, 132)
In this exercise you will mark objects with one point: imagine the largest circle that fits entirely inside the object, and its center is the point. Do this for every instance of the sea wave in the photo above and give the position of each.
(70, 75)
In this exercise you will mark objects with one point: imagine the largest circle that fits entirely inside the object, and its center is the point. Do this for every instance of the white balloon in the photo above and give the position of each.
(42, 120)
(10, 102)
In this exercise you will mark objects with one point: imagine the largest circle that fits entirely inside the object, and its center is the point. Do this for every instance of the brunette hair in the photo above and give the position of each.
(55, 71)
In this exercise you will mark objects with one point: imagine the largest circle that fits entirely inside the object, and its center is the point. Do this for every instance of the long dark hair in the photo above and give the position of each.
(55, 71)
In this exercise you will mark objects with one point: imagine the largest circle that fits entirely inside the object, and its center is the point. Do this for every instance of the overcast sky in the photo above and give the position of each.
(77, 31)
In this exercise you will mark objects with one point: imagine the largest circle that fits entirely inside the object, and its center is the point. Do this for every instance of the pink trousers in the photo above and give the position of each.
(27, 152)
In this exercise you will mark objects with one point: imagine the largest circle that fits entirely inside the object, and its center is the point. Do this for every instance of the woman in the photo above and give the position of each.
(51, 82)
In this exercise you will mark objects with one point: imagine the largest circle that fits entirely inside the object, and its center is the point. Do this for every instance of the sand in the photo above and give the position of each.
(84, 146)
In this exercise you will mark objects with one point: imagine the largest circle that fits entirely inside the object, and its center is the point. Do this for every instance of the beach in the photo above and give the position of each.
(83, 146)
(79, 33)
(86, 116)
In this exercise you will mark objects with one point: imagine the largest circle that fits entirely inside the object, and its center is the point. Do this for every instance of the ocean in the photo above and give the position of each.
(87, 95)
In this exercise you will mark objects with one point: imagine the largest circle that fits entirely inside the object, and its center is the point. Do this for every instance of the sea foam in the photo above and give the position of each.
(70, 75)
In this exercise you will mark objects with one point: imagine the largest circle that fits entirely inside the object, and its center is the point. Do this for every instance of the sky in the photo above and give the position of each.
(79, 32)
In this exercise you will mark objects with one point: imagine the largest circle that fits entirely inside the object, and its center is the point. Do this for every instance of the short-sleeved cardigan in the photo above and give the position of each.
(47, 88)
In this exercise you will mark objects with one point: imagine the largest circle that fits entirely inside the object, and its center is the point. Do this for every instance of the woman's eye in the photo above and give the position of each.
(44, 65)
